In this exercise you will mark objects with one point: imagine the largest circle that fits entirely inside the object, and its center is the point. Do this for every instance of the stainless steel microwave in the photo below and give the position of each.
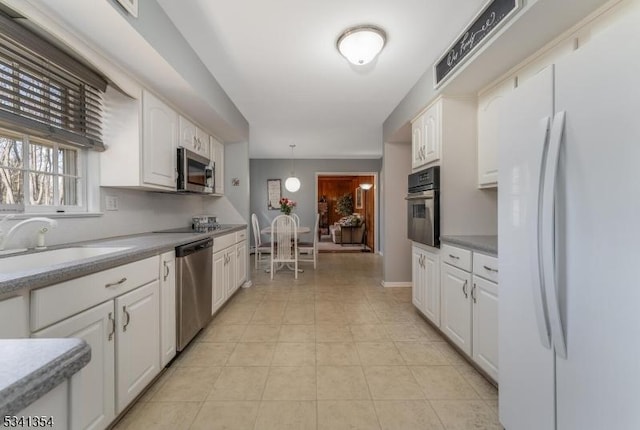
(195, 173)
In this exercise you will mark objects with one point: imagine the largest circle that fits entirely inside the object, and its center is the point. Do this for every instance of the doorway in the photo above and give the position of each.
(330, 187)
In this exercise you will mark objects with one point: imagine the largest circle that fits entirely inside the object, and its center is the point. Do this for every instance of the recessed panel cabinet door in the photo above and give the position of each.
(485, 325)
(159, 134)
(241, 266)
(432, 287)
(167, 307)
(231, 271)
(432, 134)
(92, 388)
(417, 290)
(456, 306)
(417, 147)
(218, 285)
(138, 341)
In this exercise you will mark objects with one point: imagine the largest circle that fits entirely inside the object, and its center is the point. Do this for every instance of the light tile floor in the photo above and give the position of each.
(332, 350)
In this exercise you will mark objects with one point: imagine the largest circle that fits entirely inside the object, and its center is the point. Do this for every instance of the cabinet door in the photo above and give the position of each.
(485, 325)
(138, 342)
(187, 135)
(417, 290)
(202, 142)
(241, 263)
(489, 113)
(167, 307)
(159, 130)
(218, 158)
(92, 388)
(456, 306)
(417, 147)
(232, 286)
(432, 287)
(14, 318)
(219, 289)
(431, 134)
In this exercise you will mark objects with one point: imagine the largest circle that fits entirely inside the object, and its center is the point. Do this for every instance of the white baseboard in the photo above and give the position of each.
(396, 284)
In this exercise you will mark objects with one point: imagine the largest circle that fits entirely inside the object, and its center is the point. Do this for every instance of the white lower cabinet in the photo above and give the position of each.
(229, 267)
(92, 392)
(117, 312)
(456, 306)
(470, 305)
(485, 325)
(167, 307)
(137, 342)
(426, 283)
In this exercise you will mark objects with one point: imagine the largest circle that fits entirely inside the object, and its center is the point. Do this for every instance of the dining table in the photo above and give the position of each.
(299, 230)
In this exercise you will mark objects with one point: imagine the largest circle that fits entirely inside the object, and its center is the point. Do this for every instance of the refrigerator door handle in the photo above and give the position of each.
(547, 220)
(539, 302)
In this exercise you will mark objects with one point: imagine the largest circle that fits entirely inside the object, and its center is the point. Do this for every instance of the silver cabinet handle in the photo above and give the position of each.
(113, 284)
(455, 257)
(490, 269)
(124, 309)
(112, 320)
(473, 293)
(166, 270)
(464, 289)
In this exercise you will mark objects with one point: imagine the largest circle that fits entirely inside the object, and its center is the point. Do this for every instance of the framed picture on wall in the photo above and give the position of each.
(274, 193)
(359, 198)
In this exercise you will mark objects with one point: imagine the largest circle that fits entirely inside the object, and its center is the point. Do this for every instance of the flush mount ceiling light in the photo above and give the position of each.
(362, 44)
(292, 184)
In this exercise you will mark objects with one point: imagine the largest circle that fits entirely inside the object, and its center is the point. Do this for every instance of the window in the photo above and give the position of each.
(50, 116)
(37, 175)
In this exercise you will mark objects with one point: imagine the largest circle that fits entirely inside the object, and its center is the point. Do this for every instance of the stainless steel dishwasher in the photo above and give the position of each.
(193, 292)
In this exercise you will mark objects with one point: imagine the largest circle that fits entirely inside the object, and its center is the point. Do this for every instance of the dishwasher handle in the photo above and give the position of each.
(190, 248)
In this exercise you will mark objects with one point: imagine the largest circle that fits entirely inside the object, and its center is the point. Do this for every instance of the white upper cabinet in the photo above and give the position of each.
(159, 124)
(193, 138)
(217, 157)
(489, 113)
(432, 132)
(426, 136)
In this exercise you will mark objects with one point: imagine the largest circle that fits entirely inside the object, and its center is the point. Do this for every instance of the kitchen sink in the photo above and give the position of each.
(41, 259)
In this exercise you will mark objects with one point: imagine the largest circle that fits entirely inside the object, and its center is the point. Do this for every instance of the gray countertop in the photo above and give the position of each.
(139, 246)
(484, 244)
(30, 368)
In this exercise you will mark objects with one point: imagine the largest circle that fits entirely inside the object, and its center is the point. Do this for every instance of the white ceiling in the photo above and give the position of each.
(278, 62)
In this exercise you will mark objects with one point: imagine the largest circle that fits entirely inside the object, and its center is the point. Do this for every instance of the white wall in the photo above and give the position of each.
(396, 261)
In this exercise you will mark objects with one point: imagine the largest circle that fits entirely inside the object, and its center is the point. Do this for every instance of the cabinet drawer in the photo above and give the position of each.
(458, 257)
(241, 235)
(60, 301)
(222, 242)
(485, 266)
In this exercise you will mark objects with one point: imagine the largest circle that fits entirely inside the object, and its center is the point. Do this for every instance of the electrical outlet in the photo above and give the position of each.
(111, 203)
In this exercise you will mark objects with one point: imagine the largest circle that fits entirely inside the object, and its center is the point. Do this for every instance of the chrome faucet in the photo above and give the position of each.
(6, 238)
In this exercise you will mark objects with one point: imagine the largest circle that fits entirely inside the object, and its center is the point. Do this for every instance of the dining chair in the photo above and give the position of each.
(284, 244)
(260, 247)
(310, 248)
(296, 219)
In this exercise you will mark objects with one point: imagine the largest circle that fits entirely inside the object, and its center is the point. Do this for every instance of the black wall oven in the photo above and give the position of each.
(195, 173)
(423, 201)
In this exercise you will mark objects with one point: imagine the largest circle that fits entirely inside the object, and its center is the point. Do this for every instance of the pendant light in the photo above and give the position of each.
(361, 45)
(292, 183)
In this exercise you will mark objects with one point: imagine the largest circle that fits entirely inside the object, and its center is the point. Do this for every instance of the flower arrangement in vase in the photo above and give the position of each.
(286, 205)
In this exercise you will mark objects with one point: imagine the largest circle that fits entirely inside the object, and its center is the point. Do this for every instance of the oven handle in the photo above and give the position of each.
(419, 198)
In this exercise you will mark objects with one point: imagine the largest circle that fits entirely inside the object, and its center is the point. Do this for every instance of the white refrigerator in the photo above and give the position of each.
(569, 240)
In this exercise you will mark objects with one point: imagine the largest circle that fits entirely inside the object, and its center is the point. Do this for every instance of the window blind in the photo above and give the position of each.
(46, 92)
